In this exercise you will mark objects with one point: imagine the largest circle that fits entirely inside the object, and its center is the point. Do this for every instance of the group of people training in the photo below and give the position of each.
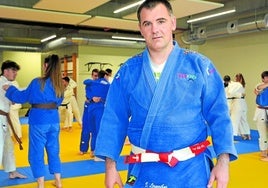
(96, 90)
(235, 94)
(45, 94)
(150, 101)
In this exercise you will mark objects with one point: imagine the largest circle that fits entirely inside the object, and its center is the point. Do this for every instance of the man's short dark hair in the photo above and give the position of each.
(149, 4)
(264, 74)
(9, 65)
(66, 78)
(226, 78)
(109, 71)
(95, 70)
(102, 73)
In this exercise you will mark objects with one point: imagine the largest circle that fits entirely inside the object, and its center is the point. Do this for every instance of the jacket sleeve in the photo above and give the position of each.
(216, 113)
(114, 123)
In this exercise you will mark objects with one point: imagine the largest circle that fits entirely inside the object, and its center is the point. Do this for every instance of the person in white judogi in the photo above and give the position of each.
(234, 93)
(7, 158)
(74, 104)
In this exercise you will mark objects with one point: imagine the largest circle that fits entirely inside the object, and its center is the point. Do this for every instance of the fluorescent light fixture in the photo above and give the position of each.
(19, 47)
(211, 16)
(128, 38)
(48, 38)
(128, 6)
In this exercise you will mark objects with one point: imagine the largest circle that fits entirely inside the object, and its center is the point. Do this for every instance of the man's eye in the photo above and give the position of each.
(161, 21)
(146, 24)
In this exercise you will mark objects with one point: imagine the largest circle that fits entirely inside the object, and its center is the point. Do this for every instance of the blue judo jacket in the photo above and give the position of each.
(178, 111)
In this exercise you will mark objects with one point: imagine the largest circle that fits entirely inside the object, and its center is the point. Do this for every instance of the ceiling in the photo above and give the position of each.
(23, 23)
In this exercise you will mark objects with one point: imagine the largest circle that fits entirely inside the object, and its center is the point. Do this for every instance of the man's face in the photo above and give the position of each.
(94, 76)
(65, 83)
(10, 74)
(265, 79)
(156, 26)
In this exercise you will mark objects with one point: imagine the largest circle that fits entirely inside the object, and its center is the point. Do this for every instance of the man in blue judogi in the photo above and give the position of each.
(165, 100)
(96, 92)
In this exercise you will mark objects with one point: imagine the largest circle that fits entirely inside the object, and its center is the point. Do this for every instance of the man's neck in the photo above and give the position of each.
(161, 56)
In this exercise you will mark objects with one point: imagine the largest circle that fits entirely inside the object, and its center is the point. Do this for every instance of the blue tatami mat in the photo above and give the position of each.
(247, 146)
(70, 169)
(90, 167)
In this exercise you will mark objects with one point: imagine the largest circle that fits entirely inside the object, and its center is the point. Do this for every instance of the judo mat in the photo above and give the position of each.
(82, 171)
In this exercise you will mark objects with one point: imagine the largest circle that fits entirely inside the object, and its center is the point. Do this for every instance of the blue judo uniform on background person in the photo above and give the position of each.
(93, 110)
(41, 120)
(176, 112)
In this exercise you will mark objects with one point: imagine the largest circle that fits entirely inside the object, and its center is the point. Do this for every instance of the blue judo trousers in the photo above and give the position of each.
(44, 125)
(93, 111)
(176, 112)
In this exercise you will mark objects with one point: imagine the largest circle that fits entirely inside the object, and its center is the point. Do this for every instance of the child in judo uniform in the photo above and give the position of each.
(96, 92)
(44, 94)
(165, 100)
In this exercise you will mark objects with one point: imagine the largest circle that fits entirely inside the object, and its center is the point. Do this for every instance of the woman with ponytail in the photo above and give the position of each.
(44, 94)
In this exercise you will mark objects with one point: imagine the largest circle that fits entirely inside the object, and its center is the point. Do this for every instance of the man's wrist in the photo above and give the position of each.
(110, 163)
(223, 158)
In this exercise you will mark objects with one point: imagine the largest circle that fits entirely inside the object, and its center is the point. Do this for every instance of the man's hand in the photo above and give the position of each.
(220, 172)
(260, 88)
(112, 176)
(96, 99)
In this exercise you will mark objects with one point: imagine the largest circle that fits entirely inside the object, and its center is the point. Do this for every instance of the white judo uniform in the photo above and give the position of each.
(7, 158)
(234, 93)
(65, 109)
(74, 104)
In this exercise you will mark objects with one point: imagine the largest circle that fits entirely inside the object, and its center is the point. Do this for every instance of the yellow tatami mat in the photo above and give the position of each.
(246, 172)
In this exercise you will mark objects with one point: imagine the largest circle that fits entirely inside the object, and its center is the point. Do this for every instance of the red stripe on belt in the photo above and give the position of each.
(170, 158)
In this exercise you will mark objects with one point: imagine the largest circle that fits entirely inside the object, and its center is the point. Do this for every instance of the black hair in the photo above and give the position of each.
(227, 78)
(109, 71)
(66, 78)
(149, 4)
(95, 70)
(264, 74)
(102, 73)
(9, 65)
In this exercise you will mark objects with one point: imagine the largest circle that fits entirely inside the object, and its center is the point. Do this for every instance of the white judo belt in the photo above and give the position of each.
(171, 158)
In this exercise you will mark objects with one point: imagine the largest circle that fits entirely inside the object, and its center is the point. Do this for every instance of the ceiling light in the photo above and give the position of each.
(48, 38)
(128, 6)
(211, 16)
(19, 47)
(124, 37)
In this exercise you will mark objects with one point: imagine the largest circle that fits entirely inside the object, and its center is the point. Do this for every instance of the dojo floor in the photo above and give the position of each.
(81, 171)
